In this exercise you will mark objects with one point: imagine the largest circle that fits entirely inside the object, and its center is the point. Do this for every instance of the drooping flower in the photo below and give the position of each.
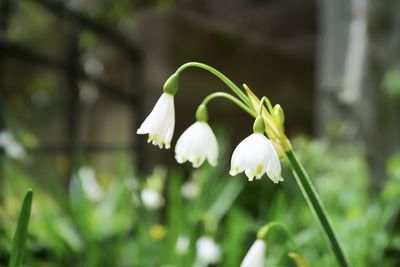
(197, 144)
(208, 252)
(255, 257)
(182, 245)
(160, 123)
(190, 190)
(256, 155)
(152, 199)
(90, 185)
(11, 146)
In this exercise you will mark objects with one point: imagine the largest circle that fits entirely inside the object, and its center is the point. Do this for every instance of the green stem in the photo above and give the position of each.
(266, 100)
(263, 232)
(316, 206)
(230, 98)
(221, 76)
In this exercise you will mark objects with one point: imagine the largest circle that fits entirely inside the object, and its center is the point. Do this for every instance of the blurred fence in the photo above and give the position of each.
(73, 72)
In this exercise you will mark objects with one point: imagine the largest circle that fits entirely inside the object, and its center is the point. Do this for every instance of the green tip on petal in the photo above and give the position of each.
(259, 126)
(171, 85)
(202, 113)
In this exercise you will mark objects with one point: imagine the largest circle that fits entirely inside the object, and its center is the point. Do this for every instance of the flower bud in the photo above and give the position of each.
(278, 114)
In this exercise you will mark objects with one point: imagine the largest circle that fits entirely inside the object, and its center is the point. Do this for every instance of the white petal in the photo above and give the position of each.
(190, 190)
(255, 155)
(152, 199)
(160, 123)
(182, 245)
(255, 257)
(208, 252)
(196, 144)
(274, 168)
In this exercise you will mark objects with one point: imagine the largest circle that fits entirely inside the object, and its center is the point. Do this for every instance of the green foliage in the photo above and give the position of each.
(100, 220)
(21, 233)
(391, 83)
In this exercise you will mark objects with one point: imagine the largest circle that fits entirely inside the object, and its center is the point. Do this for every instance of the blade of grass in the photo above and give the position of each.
(21, 233)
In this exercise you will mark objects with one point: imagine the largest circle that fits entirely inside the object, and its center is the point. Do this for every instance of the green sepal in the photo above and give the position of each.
(202, 113)
(259, 126)
(171, 84)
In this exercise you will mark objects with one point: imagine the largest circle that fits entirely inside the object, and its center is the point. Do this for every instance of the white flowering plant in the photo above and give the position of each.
(256, 155)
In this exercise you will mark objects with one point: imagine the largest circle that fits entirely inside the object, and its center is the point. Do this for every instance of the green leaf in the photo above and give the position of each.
(21, 233)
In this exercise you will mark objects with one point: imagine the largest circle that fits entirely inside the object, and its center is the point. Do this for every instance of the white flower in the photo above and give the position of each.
(161, 122)
(255, 257)
(11, 146)
(208, 252)
(256, 155)
(190, 190)
(182, 245)
(90, 185)
(152, 199)
(196, 144)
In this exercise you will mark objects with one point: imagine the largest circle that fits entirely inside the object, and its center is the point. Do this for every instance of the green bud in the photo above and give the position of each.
(171, 85)
(278, 114)
(202, 113)
(259, 126)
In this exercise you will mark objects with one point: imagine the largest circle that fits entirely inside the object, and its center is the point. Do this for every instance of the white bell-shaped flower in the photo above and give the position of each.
(208, 252)
(152, 199)
(160, 123)
(255, 257)
(256, 156)
(196, 144)
(182, 245)
(11, 146)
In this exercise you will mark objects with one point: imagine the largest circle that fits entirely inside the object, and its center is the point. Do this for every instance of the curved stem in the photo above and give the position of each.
(221, 76)
(263, 232)
(269, 105)
(317, 208)
(230, 98)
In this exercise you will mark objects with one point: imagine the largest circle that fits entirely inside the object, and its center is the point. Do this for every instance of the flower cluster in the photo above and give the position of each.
(255, 155)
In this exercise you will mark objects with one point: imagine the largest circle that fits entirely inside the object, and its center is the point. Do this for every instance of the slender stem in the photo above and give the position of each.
(221, 76)
(266, 100)
(316, 206)
(263, 232)
(230, 98)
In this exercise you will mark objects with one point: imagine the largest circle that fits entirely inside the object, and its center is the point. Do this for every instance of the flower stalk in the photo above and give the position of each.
(317, 207)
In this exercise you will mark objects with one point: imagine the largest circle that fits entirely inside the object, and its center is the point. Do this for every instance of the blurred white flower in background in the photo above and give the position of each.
(255, 257)
(11, 146)
(190, 190)
(92, 65)
(152, 199)
(160, 123)
(197, 144)
(90, 185)
(182, 245)
(208, 252)
(256, 155)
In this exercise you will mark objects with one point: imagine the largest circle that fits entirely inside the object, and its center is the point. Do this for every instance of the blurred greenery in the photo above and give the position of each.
(103, 220)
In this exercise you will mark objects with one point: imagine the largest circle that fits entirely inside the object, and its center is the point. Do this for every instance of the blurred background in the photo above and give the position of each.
(78, 77)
